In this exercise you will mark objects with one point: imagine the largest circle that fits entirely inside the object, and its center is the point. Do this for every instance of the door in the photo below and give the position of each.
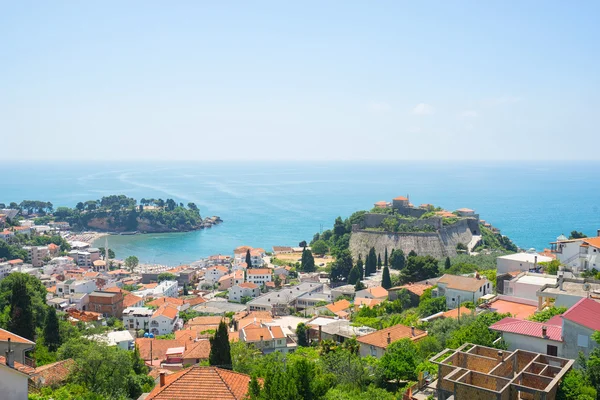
(551, 350)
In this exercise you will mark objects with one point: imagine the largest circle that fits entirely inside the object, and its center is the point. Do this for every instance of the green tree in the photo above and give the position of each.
(419, 268)
(111, 253)
(185, 290)
(220, 351)
(548, 313)
(577, 235)
(385, 259)
(253, 389)
(21, 312)
(308, 261)
(131, 263)
(354, 276)
(51, 330)
(412, 253)
(575, 386)
(371, 262)
(400, 360)
(361, 266)
(302, 334)
(341, 266)
(248, 259)
(379, 263)
(447, 263)
(397, 259)
(166, 276)
(359, 286)
(386, 281)
(319, 247)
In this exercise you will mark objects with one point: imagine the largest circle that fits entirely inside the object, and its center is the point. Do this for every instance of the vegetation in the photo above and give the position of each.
(551, 267)
(419, 268)
(577, 235)
(308, 261)
(131, 262)
(548, 313)
(220, 352)
(319, 247)
(495, 241)
(386, 281)
(166, 276)
(397, 259)
(302, 334)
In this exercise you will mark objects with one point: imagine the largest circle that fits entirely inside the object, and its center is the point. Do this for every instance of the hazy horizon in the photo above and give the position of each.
(271, 81)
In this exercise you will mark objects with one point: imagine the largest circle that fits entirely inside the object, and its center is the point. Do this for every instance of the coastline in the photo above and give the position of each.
(87, 236)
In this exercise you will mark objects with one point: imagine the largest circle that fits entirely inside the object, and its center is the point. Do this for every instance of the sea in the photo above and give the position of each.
(265, 204)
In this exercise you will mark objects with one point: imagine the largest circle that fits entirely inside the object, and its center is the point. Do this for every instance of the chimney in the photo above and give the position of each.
(10, 356)
(389, 339)
(162, 379)
(535, 262)
(501, 355)
(412, 330)
(544, 331)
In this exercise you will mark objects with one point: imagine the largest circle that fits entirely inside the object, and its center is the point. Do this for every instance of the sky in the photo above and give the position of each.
(309, 80)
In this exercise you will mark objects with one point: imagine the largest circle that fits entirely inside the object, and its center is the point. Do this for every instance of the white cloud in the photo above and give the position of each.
(423, 109)
(469, 114)
(380, 107)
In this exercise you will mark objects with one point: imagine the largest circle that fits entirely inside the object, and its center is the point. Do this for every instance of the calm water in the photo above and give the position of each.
(266, 204)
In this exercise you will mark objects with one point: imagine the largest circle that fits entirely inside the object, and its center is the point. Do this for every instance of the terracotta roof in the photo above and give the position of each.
(255, 318)
(99, 263)
(248, 285)
(5, 335)
(19, 367)
(464, 283)
(15, 261)
(115, 289)
(396, 332)
(195, 301)
(517, 310)
(166, 300)
(465, 210)
(52, 246)
(445, 213)
(377, 291)
(55, 373)
(199, 349)
(251, 314)
(253, 333)
(593, 241)
(585, 313)
(401, 198)
(242, 249)
(202, 383)
(186, 335)
(131, 299)
(454, 313)
(338, 306)
(417, 288)
(528, 328)
(218, 268)
(158, 348)
(51, 289)
(216, 320)
(166, 311)
(270, 284)
(259, 271)
(360, 301)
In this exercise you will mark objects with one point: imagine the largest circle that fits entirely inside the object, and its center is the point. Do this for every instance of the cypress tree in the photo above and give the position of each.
(21, 312)
(412, 253)
(353, 275)
(220, 352)
(361, 266)
(397, 260)
(51, 330)
(385, 258)
(308, 261)
(253, 389)
(359, 286)
(301, 333)
(379, 261)
(371, 267)
(248, 259)
(386, 281)
(447, 263)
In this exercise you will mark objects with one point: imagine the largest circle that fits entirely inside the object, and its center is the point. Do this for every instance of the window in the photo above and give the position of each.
(373, 351)
(582, 340)
(551, 350)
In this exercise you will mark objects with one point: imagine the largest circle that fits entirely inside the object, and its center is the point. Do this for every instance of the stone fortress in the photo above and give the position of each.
(437, 234)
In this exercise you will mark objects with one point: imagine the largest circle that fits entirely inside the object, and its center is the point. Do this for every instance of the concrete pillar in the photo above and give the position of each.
(540, 303)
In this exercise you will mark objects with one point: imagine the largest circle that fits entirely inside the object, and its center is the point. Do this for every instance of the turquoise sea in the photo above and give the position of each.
(281, 203)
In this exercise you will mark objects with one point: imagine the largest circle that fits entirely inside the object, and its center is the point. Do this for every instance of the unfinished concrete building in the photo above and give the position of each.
(476, 372)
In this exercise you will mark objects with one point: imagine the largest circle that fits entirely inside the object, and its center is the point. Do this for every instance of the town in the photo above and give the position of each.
(398, 302)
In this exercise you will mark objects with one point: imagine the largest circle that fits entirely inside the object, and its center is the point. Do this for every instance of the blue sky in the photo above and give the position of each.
(326, 80)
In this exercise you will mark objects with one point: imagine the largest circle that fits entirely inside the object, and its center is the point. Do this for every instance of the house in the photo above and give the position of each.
(578, 325)
(540, 337)
(135, 318)
(526, 285)
(374, 344)
(213, 274)
(227, 281)
(196, 352)
(19, 345)
(172, 301)
(121, 339)
(264, 337)
(256, 256)
(415, 290)
(338, 330)
(459, 289)
(259, 276)
(377, 292)
(164, 288)
(53, 374)
(578, 254)
(479, 372)
(360, 302)
(345, 291)
(567, 292)
(5, 269)
(201, 383)
(109, 304)
(282, 250)
(519, 262)
(36, 254)
(205, 323)
(85, 258)
(312, 299)
(131, 300)
(465, 212)
(340, 308)
(14, 378)
(70, 286)
(246, 289)
(517, 307)
(164, 320)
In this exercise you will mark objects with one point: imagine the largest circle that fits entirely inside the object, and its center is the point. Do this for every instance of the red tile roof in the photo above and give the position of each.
(454, 312)
(464, 283)
(166, 311)
(517, 310)
(338, 306)
(157, 347)
(202, 383)
(5, 335)
(259, 271)
(172, 301)
(200, 349)
(401, 198)
(19, 367)
(55, 373)
(416, 288)
(585, 312)
(396, 332)
(131, 299)
(528, 328)
(254, 333)
(248, 285)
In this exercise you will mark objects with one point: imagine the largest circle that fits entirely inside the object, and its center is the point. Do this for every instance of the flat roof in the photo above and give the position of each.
(518, 310)
(526, 257)
(574, 289)
(536, 280)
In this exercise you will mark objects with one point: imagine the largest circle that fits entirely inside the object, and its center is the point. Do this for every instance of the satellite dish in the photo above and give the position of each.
(587, 287)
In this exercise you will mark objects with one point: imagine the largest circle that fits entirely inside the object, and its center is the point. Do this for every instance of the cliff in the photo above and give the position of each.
(438, 244)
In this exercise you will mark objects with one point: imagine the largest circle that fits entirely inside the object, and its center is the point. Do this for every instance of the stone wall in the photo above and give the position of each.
(438, 245)
(372, 220)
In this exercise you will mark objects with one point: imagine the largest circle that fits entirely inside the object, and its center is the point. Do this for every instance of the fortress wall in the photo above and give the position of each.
(372, 220)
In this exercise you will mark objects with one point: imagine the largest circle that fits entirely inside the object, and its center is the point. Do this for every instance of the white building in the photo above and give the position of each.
(58, 265)
(163, 289)
(164, 320)
(5, 269)
(578, 254)
(71, 286)
(527, 284)
(85, 258)
(213, 274)
(121, 339)
(135, 318)
(259, 276)
(519, 262)
(13, 383)
(247, 289)
(459, 289)
(36, 254)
